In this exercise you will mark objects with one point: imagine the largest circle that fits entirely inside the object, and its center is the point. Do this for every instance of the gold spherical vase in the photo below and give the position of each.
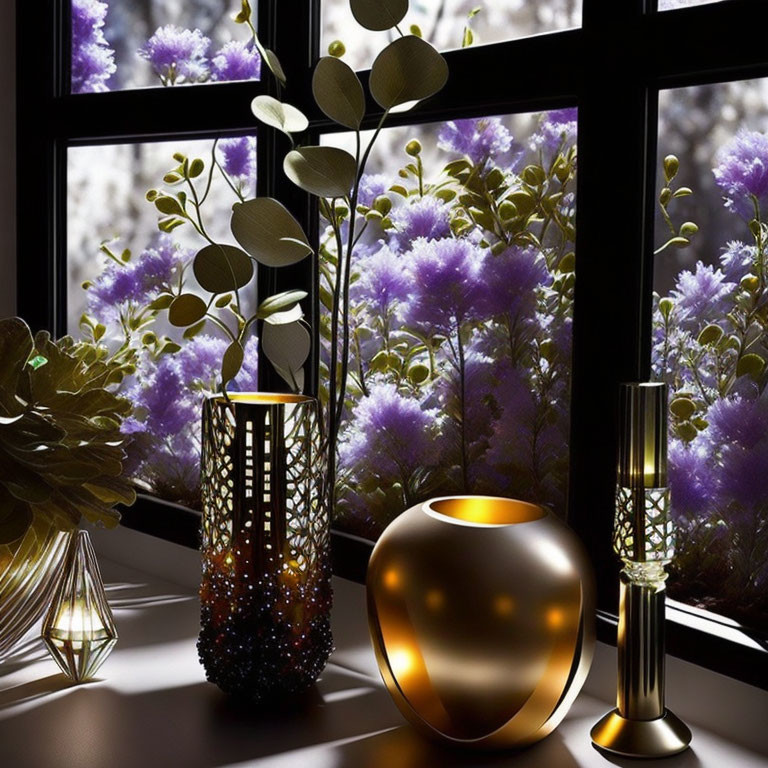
(481, 612)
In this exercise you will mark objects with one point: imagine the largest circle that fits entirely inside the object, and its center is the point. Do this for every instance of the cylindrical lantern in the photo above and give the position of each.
(643, 538)
(266, 590)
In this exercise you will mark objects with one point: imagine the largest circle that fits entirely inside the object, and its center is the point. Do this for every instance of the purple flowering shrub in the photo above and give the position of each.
(175, 54)
(461, 297)
(170, 372)
(93, 61)
(710, 345)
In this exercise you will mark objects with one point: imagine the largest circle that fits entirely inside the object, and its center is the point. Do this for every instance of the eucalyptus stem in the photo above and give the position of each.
(462, 408)
(220, 324)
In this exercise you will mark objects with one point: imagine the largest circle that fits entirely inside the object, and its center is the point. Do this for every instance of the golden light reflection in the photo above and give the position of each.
(435, 599)
(555, 618)
(486, 510)
(402, 661)
(392, 578)
(503, 605)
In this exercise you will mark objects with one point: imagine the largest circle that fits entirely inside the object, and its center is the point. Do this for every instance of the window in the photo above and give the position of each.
(120, 44)
(711, 341)
(450, 24)
(621, 65)
(469, 394)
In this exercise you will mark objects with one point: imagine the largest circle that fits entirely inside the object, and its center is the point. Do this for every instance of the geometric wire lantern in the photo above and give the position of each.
(79, 629)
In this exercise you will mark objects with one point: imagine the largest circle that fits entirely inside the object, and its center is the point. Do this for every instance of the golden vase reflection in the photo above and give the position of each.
(481, 615)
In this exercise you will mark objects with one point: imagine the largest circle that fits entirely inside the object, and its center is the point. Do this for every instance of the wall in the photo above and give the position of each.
(8, 158)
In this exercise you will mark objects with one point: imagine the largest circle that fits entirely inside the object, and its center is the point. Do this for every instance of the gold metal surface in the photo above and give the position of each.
(661, 737)
(79, 630)
(644, 539)
(481, 615)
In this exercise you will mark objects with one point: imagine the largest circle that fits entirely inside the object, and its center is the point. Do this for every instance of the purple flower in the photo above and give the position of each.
(426, 217)
(701, 296)
(477, 138)
(738, 420)
(372, 185)
(737, 260)
(247, 380)
(93, 61)
(742, 172)
(691, 478)
(236, 61)
(392, 436)
(167, 395)
(743, 481)
(382, 282)
(138, 281)
(557, 128)
(238, 159)
(512, 278)
(177, 55)
(511, 443)
(447, 287)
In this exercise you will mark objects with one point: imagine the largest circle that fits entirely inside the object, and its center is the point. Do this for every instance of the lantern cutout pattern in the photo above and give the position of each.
(79, 629)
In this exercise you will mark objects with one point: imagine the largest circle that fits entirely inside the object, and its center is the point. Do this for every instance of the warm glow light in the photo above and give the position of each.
(76, 622)
(503, 605)
(435, 599)
(401, 661)
(555, 618)
(392, 578)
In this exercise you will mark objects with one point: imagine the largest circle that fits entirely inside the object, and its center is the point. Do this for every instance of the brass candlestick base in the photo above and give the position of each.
(644, 539)
(664, 736)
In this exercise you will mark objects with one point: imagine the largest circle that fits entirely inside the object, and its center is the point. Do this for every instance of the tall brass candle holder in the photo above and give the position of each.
(643, 537)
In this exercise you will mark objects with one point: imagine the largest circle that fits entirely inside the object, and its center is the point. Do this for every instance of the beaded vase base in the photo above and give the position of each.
(266, 582)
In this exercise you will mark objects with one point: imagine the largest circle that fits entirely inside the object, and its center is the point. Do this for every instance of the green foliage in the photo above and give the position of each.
(274, 113)
(378, 15)
(269, 233)
(338, 92)
(407, 70)
(60, 442)
(321, 171)
(222, 268)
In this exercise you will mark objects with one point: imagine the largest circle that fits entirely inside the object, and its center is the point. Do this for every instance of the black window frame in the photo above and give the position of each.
(613, 68)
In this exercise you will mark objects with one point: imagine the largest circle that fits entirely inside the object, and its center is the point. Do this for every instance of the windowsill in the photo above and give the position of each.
(151, 705)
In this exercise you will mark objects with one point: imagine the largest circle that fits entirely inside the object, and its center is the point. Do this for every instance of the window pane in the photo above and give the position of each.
(443, 23)
(461, 344)
(119, 44)
(710, 341)
(108, 213)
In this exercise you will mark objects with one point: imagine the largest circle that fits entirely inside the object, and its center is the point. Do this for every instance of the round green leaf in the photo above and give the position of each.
(338, 92)
(750, 365)
(274, 113)
(279, 302)
(408, 69)
(682, 407)
(287, 348)
(378, 15)
(322, 171)
(222, 268)
(268, 232)
(275, 67)
(231, 362)
(186, 310)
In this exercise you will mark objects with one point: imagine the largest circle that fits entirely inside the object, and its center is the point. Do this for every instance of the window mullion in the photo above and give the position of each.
(294, 37)
(617, 139)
